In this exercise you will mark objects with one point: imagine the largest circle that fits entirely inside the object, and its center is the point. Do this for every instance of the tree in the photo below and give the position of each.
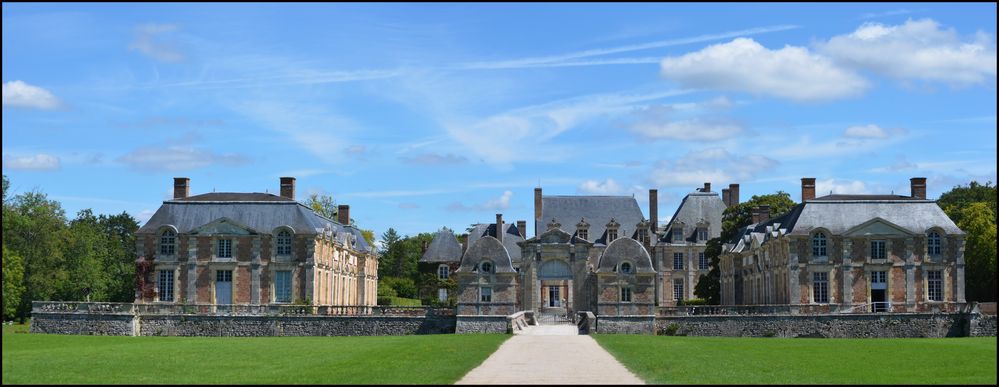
(953, 201)
(13, 283)
(369, 236)
(119, 232)
(33, 228)
(322, 204)
(387, 257)
(734, 218)
(977, 221)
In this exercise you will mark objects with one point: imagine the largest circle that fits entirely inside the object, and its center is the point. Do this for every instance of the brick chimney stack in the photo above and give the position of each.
(537, 209)
(764, 213)
(725, 198)
(522, 227)
(181, 187)
(499, 227)
(918, 187)
(807, 188)
(288, 187)
(733, 195)
(343, 214)
(707, 187)
(756, 215)
(654, 210)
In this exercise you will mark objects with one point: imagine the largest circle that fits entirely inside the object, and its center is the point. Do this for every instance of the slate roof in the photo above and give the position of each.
(596, 210)
(510, 238)
(695, 207)
(261, 212)
(443, 248)
(487, 248)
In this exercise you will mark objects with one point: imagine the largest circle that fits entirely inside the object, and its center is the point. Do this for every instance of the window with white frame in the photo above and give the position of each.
(933, 243)
(934, 285)
(677, 261)
(626, 268)
(167, 242)
(819, 245)
(442, 272)
(442, 295)
(583, 234)
(643, 235)
(165, 285)
(820, 287)
(702, 261)
(625, 294)
(284, 243)
(282, 286)
(678, 289)
(224, 248)
(878, 249)
(702, 234)
(485, 294)
(611, 235)
(677, 234)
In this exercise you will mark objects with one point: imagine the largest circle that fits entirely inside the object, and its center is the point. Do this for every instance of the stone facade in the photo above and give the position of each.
(626, 324)
(482, 324)
(833, 326)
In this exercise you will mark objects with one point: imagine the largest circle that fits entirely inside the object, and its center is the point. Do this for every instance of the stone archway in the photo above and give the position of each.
(554, 285)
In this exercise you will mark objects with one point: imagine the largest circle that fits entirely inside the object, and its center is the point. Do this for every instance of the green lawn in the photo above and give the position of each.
(425, 359)
(724, 360)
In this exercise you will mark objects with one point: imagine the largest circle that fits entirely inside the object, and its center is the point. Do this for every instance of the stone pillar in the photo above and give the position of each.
(910, 273)
(255, 271)
(848, 276)
(793, 285)
(192, 270)
(959, 272)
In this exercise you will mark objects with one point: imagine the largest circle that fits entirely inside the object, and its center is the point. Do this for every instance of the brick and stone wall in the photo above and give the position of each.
(829, 326)
(481, 324)
(626, 324)
(980, 325)
(83, 324)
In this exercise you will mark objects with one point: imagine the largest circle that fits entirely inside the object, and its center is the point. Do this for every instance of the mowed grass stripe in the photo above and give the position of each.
(725, 360)
(424, 359)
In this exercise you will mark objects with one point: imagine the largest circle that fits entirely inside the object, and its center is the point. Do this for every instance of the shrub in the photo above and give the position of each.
(671, 329)
(692, 302)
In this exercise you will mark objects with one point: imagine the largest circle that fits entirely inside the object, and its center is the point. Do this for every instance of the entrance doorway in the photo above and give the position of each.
(554, 300)
(879, 289)
(223, 287)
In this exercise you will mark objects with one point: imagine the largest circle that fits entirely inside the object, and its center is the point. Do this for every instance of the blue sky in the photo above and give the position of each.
(428, 115)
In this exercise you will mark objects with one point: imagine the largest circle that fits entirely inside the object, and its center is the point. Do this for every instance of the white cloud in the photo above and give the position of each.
(593, 187)
(312, 127)
(499, 204)
(872, 131)
(744, 65)
(713, 165)
(176, 158)
(696, 129)
(20, 94)
(919, 50)
(38, 162)
(145, 42)
(840, 186)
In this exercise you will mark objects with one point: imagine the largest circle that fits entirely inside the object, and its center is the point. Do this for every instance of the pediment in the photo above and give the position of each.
(877, 227)
(555, 236)
(224, 226)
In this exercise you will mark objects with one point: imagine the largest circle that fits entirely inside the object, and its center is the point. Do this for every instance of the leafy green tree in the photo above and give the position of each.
(322, 204)
(13, 282)
(734, 218)
(119, 232)
(369, 236)
(387, 257)
(977, 221)
(953, 201)
(84, 251)
(33, 228)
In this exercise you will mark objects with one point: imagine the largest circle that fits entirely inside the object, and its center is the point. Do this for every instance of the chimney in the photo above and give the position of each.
(725, 197)
(499, 227)
(707, 187)
(182, 187)
(756, 215)
(343, 214)
(288, 187)
(918, 187)
(733, 195)
(807, 188)
(654, 210)
(764, 213)
(537, 208)
(522, 227)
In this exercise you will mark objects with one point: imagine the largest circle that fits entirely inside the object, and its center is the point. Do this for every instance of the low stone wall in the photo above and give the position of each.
(838, 326)
(293, 325)
(982, 325)
(83, 324)
(481, 324)
(626, 324)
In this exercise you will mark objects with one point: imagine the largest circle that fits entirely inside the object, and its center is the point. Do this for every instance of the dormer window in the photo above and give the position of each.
(626, 268)
(167, 242)
(677, 234)
(284, 243)
(643, 236)
(583, 230)
(486, 267)
(612, 230)
(702, 234)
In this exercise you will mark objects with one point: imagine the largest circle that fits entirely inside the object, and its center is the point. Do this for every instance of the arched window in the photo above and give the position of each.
(486, 267)
(626, 268)
(284, 243)
(167, 241)
(819, 245)
(933, 243)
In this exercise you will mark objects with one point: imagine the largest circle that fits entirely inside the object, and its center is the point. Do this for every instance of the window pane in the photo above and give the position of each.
(166, 285)
(282, 286)
(677, 261)
(678, 289)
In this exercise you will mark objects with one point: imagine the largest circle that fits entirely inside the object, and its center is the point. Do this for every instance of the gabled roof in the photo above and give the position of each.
(697, 207)
(596, 210)
(510, 238)
(443, 248)
(260, 212)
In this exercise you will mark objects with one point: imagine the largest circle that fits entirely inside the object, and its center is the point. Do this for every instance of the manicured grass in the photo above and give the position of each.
(424, 359)
(724, 360)
(400, 301)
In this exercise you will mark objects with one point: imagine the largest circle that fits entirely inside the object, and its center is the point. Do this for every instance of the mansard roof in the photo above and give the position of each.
(510, 238)
(625, 249)
(261, 212)
(483, 249)
(695, 208)
(597, 210)
(443, 248)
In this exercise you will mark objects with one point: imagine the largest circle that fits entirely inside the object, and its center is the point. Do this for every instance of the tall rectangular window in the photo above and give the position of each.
(933, 243)
(165, 285)
(678, 289)
(611, 235)
(702, 234)
(934, 285)
(224, 248)
(878, 249)
(643, 236)
(702, 261)
(282, 286)
(625, 294)
(820, 287)
(677, 235)
(442, 272)
(485, 294)
(677, 261)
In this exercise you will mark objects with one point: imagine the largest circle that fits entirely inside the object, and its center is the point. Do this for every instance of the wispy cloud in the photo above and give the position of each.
(874, 15)
(498, 204)
(872, 131)
(148, 43)
(435, 159)
(662, 122)
(22, 95)
(715, 165)
(178, 155)
(36, 162)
